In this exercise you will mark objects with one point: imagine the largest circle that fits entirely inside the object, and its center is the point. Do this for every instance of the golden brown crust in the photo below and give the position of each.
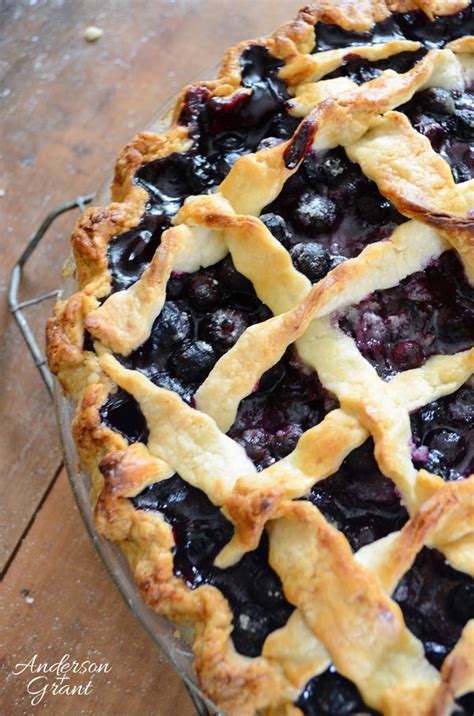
(390, 669)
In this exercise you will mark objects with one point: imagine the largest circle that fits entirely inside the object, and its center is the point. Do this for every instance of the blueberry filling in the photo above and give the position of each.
(226, 127)
(360, 70)
(122, 413)
(359, 500)
(288, 401)
(200, 530)
(330, 694)
(328, 211)
(434, 305)
(129, 254)
(447, 119)
(443, 435)
(222, 129)
(400, 26)
(332, 37)
(436, 602)
(204, 315)
(441, 30)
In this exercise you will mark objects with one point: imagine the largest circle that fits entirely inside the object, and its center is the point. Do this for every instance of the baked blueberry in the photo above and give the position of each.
(224, 327)
(346, 189)
(331, 695)
(333, 167)
(278, 228)
(462, 409)
(446, 118)
(286, 439)
(256, 442)
(312, 170)
(436, 601)
(359, 499)
(193, 361)
(464, 118)
(407, 354)
(307, 413)
(200, 543)
(315, 213)
(312, 259)
(433, 130)
(203, 291)
(442, 434)
(232, 279)
(172, 326)
(176, 285)
(328, 168)
(449, 443)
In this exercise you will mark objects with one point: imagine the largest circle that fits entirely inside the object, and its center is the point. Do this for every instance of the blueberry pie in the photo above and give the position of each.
(271, 348)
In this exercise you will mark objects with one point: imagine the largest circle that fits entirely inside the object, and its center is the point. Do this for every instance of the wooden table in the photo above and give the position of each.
(68, 107)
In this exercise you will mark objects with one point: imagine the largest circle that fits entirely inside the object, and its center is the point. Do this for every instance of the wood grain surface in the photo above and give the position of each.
(67, 107)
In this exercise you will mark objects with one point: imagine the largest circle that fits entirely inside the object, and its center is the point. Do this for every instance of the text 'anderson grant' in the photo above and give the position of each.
(65, 677)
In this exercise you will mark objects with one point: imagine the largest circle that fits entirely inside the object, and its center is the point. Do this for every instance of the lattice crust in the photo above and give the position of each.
(365, 638)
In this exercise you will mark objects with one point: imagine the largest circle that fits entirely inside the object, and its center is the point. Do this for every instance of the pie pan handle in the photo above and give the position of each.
(17, 307)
